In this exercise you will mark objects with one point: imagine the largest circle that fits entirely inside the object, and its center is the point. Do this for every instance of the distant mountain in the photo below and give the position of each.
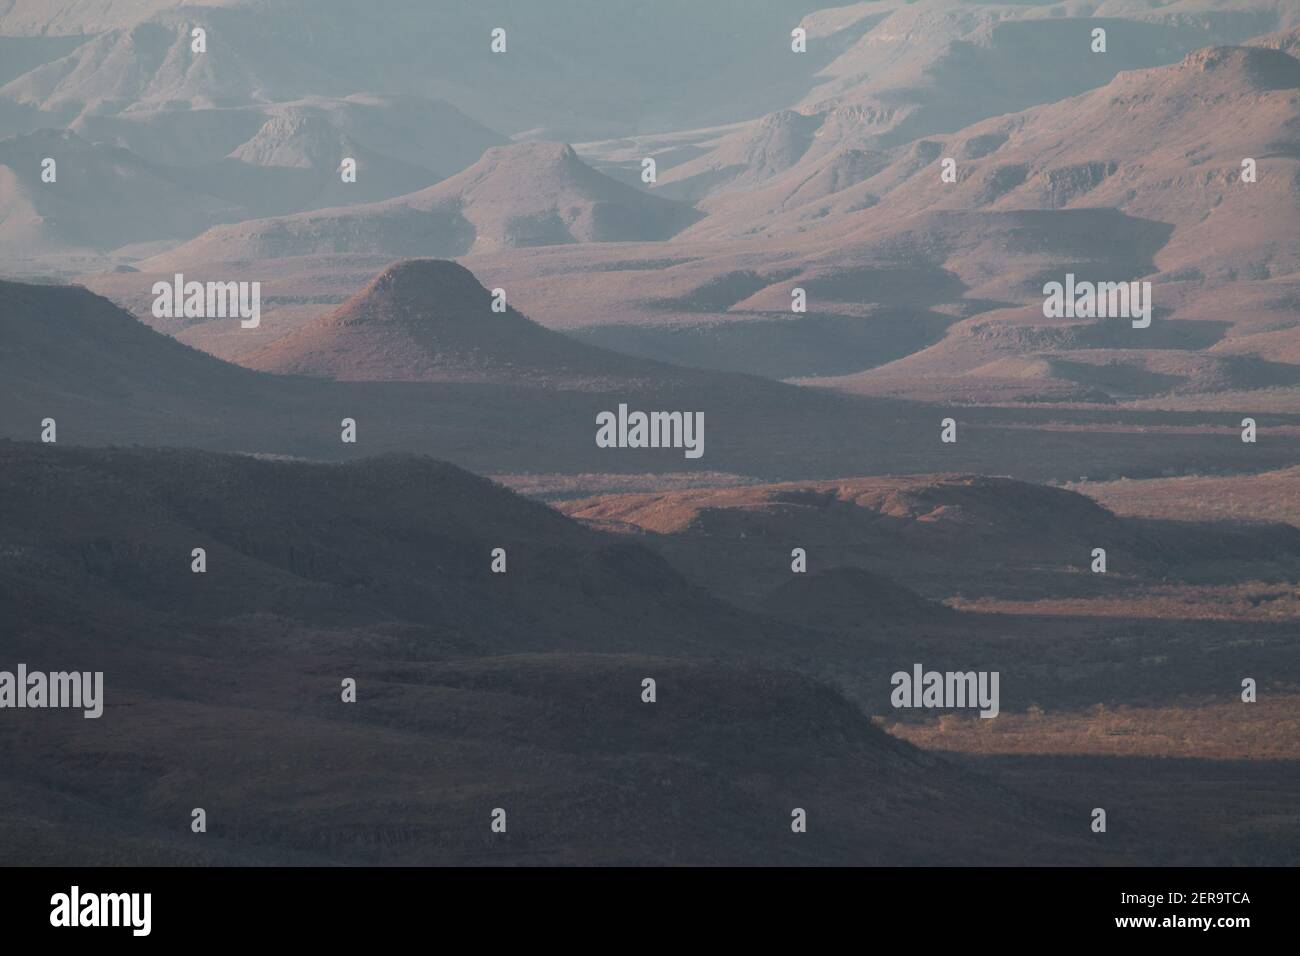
(745, 158)
(108, 378)
(935, 289)
(103, 197)
(527, 194)
(431, 320)
(105, 377)
(1179, 166)
(212, 166)
(151, 64)
(149, 176)
(884, 538)
(430, 134)
(1288, 41)
(963, 63)
(272, 159)
(960, 64)
(1103, 149)
(657, 71)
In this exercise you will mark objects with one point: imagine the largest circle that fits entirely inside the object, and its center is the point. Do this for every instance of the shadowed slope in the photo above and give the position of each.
(379, 571)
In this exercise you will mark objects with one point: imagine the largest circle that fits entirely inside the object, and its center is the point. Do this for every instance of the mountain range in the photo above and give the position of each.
(823, 238)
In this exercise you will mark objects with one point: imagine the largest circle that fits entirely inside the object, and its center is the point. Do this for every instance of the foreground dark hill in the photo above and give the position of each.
(393, 539)
(108, 379)
(586, 772)
(849, 597)
(475, 691)
(222, 689)
(430, 320)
